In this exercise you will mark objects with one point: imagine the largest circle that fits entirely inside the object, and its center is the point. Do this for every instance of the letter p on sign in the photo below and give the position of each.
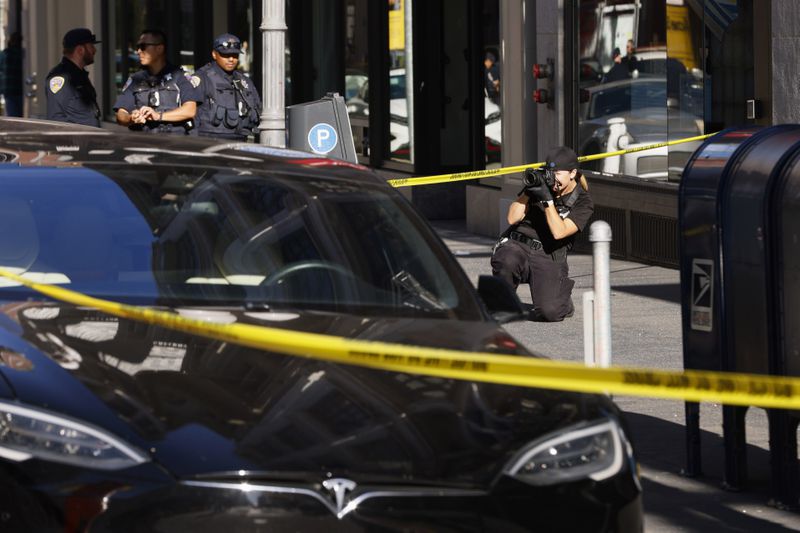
(322, 138)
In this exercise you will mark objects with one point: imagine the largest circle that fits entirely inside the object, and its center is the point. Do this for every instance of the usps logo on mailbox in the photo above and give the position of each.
(702, 304)
(322, 138)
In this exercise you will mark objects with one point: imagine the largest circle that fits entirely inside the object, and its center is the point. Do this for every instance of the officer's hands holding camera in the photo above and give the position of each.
(538, 184)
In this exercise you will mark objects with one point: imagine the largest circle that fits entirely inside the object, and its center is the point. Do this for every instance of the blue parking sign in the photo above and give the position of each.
(322, 138)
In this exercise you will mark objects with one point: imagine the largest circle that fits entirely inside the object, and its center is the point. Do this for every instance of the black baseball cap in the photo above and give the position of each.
(227, 44)
(77, 36)
(561, 158)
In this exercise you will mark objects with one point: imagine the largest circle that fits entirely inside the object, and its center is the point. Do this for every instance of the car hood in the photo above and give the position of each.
(205, 408)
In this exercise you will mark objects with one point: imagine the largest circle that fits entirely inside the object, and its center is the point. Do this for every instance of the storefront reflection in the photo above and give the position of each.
(635, 90)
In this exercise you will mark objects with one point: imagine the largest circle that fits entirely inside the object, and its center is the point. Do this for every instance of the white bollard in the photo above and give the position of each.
(617, 131)
(600, 237)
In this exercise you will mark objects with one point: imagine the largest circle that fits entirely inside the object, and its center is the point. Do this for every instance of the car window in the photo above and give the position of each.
(623, 98)
(397, 86)
(218, 237)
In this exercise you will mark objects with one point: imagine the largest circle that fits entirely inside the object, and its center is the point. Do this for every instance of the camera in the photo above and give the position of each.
(535, 177)
(154, 100)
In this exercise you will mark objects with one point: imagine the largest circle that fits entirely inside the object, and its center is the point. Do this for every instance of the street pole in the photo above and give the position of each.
(600, 237)
(273, 72)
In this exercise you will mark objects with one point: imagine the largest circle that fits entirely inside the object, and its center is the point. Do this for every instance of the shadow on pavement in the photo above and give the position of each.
(668, 292)
(698, 504)
(687, 512)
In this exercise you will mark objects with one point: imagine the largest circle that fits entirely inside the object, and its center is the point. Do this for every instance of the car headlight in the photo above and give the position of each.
(26, 433)
(581, 452)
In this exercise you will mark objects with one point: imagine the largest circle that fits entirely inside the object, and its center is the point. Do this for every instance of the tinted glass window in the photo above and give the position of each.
(215, 236)
(631, 87)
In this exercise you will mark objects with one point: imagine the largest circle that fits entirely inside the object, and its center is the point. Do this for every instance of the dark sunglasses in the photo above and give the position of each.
(142, 46)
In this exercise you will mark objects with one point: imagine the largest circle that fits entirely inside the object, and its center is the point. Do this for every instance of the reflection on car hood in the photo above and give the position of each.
(205, 408)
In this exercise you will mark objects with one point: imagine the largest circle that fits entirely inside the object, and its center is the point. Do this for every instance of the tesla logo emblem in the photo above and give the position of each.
(339, 487)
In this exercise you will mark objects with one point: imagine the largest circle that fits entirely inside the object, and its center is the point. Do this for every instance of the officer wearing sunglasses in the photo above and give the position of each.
(231, 105)
(160, 98)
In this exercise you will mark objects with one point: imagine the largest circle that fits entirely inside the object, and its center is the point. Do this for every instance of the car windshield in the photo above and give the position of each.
(624, 98)
(216, 236)
(397, 86)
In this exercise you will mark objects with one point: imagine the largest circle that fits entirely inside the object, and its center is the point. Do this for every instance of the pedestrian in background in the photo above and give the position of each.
(11, 75)
(244, 58)
(618, 70)
(544, 220)
(230, 107)
(630, 60)
(70, 94)
(491, 75)
(160, 98)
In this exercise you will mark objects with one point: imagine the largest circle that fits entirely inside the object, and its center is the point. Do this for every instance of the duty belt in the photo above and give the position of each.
(524, 239)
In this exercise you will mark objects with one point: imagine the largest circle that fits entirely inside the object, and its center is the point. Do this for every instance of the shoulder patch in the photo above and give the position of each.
(195, 81)
(127, 84)
(56, 83)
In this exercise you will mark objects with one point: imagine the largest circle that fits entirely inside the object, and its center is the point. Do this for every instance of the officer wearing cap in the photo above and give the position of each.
(70, 95)
(160, 98)
(231, 105)
(544, 219)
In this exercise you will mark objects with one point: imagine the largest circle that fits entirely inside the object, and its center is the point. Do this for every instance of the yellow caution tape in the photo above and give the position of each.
(489, 173)
(694, 385)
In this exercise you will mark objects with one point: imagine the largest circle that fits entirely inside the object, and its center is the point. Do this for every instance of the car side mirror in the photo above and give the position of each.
(500, 299)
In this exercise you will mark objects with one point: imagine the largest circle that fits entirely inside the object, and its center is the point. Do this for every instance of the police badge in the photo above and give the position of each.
(56, 83)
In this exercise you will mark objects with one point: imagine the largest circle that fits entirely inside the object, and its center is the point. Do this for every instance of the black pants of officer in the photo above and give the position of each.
(547, 275)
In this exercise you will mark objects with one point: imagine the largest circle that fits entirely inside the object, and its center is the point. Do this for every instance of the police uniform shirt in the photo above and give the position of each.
(165, 91)
(579, 210)
(231, 105)
(71, 96)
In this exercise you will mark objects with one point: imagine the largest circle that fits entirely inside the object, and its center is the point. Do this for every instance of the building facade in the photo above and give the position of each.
(443, 86)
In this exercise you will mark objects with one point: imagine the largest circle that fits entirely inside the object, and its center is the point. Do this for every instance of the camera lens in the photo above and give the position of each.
(532, 177)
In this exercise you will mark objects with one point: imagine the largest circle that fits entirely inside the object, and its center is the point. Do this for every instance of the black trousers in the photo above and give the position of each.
(547, 275)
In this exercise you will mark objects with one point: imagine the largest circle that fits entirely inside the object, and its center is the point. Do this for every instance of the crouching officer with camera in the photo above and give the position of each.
(231, 103)
(159, 98)
(550, 210)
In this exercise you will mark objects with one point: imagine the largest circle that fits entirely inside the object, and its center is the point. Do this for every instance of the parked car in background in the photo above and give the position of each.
(638, 107)
(108, 424)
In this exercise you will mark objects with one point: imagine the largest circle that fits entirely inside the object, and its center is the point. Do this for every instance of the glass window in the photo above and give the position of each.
(185, 41)
(240, 23)
(685, 80)
(627, 99)
(401, 98)
(492, 84)
(356, 63)
(710, 69)
(214, 235)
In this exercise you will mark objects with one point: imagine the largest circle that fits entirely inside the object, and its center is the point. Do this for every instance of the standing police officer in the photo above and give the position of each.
(159, 98)
(70, 95)
(231, 103)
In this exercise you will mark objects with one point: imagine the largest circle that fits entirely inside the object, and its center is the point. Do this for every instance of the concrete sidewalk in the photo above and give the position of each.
(646, 332)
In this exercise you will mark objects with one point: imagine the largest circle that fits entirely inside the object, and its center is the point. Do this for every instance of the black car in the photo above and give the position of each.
(107, 424)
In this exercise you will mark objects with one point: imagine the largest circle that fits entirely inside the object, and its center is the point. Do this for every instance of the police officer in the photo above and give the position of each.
(70, 95)
(544, 219)
(231, 103)
(159, 98)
